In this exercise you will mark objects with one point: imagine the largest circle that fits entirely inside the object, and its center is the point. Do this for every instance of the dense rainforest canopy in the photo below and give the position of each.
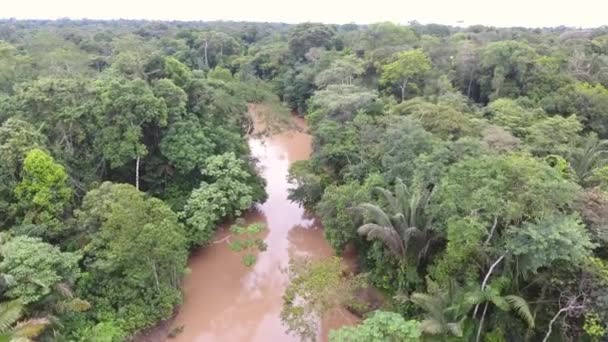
(469, 167)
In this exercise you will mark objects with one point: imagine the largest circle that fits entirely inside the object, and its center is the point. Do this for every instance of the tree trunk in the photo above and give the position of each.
(205, 51)
(485, 280)
(469, 87)
(137, 173)
(483, 317)
(403, 85)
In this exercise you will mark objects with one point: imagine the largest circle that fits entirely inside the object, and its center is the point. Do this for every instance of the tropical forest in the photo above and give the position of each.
(250, 181)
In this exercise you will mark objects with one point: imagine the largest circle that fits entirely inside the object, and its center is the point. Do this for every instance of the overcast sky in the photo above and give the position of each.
(533, 13)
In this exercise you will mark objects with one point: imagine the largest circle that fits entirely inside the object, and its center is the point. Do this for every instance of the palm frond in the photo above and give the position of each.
(455, 329)
(375, 213)
(401, 194)
(387, 235)
(10, 312)
(30, 328)
(432, 327)
(431, 304)
(390, 199)
(520, 306)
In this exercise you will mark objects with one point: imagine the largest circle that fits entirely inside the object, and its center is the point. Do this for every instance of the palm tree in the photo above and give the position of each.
(406, 231)
(445, 310)
(492, 294)
(592, 156)
(24, 331)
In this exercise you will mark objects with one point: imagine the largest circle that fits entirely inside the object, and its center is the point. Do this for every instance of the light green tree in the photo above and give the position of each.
(227, 194)
(381, 326)
(43, 192)
(406, 70)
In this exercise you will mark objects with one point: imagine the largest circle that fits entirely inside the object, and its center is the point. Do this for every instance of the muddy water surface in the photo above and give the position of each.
(226, 301)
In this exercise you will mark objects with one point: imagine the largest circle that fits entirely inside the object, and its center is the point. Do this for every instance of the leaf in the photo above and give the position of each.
(455, 329)
(388, 235)
(31, 328)
(521, 308)
(9, 313)
(432, 327)
(377, 215)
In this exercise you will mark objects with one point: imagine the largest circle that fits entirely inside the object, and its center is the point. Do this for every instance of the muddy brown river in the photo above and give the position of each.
(226, 301)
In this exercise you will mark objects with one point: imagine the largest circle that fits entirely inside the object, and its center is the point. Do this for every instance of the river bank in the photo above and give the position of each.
(227, 301)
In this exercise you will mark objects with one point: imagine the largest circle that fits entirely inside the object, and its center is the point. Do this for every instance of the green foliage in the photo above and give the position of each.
(43, 191)
(247, 241)
(334, 209)
(550, 240)
(593, 327)
(554, 135)
(27, 330)
(406, 71)
(589, 102)
(510, 188)
(165, 103)
(406, 229)
(228, 195)
(124, 107)
(445, 310)
(464, 236)
(17, 138)
(381, 326)
(178, 72)
(221, 74)
(513, 116)
(507, 65)
(441, 119)
(36, 268)
(309, 185)
(314, 289)
(305, 36)
(135, 254)
(187, 145)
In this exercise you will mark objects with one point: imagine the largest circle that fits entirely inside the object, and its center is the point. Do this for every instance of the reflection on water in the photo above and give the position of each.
(226, 301)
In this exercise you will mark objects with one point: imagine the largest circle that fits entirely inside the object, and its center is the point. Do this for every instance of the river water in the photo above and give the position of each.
(226, 301)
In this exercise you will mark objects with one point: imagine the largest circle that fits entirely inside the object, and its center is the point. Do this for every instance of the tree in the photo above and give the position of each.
(590, 102)
(135, 255)
(341, 71)
(17, 138)
(513, 116)
(339, 225)
(405, 71)
(227, 195)
(445, 310)
(554, 135)
(341, 103)
(381, 326)
(406, 230)
(11, 330)
(303, 37)
(187, 145)
(509, 188)
(550, 240)
(124, 108)
(441, 119)
(36, 267)
(589, 158)
(314, 289)
(506, 67)
(43, 192)
(178, 72)
(247, 240)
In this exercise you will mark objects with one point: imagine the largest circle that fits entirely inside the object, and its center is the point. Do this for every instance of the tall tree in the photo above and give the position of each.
(405, 72)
